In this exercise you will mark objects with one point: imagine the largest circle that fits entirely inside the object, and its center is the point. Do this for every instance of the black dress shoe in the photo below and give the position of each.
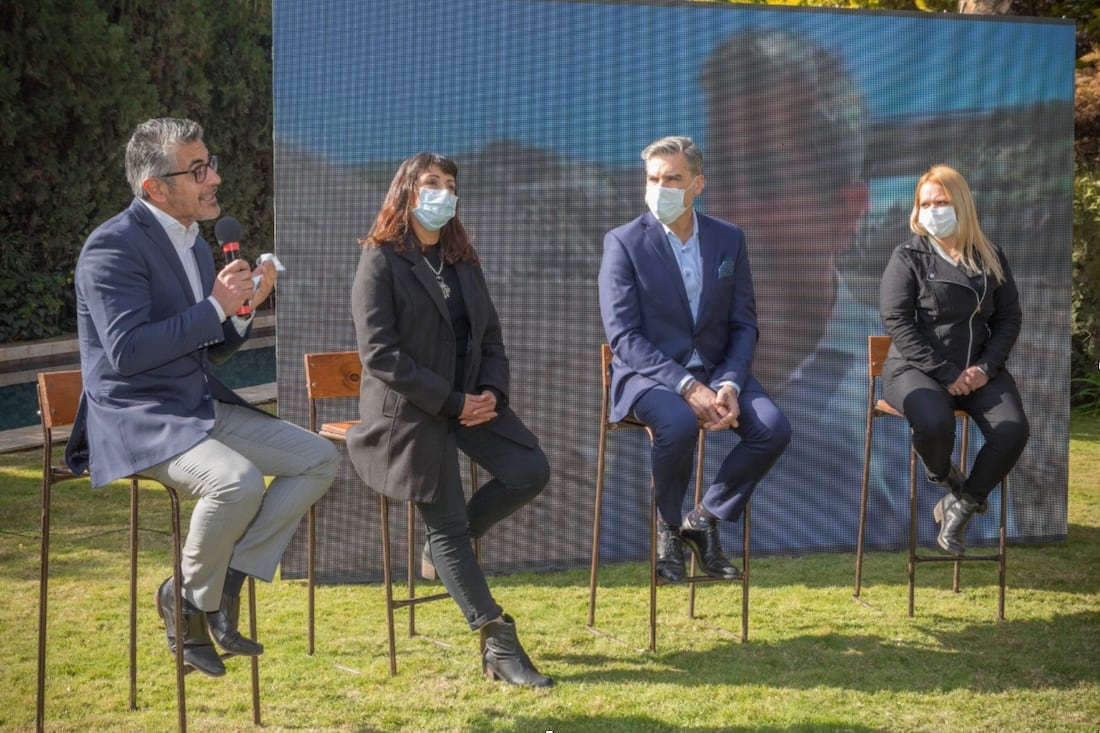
(702, 539)
(670, 554)
(224, 628)
(198, 650)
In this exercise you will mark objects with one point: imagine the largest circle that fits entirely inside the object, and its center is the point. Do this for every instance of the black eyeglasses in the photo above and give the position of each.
(199, 171)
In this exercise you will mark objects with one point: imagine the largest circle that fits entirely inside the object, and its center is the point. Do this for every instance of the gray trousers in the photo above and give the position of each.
(239, 521)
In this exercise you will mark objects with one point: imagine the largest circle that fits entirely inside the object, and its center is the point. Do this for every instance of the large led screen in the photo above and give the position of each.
(815, 126)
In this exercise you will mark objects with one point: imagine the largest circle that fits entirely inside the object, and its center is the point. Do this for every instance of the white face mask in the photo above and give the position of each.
(435, 208)
(940, 221)
(667, 204)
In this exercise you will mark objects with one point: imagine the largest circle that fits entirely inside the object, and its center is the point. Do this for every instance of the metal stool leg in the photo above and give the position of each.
(912, 526)
(177, 577)
(652, 564)
(311, 580)
(597, 513)
(410, 561)
(44, 572)
(700, 458)
(133, 590)
(255, 661)
(1002, 550)
(747, 545)
(387, 579)
(864, 488)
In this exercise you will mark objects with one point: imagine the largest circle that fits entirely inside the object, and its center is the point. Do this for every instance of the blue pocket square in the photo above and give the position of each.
(725, 269)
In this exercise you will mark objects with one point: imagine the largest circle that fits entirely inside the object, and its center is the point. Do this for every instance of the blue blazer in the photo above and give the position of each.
(145, 345)
(647, 316)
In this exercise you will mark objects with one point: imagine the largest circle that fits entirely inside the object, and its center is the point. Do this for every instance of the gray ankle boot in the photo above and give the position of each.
(953, 515)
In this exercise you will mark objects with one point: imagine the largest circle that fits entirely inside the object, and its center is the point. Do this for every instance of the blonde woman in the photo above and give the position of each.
(948, 301)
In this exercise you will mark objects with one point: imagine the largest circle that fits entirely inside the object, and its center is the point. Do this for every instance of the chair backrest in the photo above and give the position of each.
(59, 397)
(877, 348)
(331, 374)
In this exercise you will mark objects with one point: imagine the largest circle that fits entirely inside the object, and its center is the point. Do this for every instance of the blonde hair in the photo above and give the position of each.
(977, 252)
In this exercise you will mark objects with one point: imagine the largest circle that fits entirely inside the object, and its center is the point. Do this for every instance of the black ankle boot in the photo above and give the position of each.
(505, 659)
(197, 649)
(223, 627)
(953, 515)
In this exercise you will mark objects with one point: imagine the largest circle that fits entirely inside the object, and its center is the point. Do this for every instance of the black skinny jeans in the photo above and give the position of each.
(519, 474)
(996, 409)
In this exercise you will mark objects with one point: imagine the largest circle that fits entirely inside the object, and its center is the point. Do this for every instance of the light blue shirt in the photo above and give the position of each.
(689, 259)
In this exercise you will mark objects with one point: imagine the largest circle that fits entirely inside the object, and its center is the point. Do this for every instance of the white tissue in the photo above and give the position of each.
(262, 259)
(269, 256)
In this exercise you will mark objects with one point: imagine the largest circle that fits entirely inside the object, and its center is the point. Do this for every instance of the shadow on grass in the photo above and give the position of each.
(869, 663)
(610, 723)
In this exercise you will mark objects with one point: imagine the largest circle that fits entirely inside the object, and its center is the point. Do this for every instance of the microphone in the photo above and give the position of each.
(228, 232)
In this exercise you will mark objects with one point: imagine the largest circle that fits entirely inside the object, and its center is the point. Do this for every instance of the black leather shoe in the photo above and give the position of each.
(224, 628)
(702, 539)
(670, 554)
(198, 650)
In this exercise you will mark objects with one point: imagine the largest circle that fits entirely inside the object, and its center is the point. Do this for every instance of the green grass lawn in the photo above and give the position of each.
(817, 660)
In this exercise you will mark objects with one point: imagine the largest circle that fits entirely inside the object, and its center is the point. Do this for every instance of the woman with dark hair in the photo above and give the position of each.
(949, 303)
(435, 381)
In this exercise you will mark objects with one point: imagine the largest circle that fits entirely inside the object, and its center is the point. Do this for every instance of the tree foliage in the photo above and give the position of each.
(76, 77)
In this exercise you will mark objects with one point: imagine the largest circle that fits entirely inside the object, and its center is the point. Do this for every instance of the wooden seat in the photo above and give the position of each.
(606, 426)
(877, 348)
(58, 399)
(337, 374)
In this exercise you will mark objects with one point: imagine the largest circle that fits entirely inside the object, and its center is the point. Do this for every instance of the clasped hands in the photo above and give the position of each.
(716, 410)
(478, 409)
(971, 380)
(234, 285)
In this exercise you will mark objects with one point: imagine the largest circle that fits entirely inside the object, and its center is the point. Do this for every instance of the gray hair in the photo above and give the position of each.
(151, 151)
(754, 62)
(673, 145)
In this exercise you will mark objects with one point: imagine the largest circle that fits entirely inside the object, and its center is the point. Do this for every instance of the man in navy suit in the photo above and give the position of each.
(152, 315)
(677, 303)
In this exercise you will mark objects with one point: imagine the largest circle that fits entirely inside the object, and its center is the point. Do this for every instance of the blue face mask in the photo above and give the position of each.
(435, 208)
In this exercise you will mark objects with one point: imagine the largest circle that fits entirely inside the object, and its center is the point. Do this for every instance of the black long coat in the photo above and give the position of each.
(407, 347)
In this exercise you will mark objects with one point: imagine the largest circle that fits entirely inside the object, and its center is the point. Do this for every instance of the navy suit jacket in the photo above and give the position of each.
(145, 348)
(648, 319)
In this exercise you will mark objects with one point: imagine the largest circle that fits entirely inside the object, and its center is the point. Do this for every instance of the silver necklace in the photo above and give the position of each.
(439, 276)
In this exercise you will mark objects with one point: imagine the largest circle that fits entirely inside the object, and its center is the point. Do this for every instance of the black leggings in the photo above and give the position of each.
(996, 409)
(519, 474)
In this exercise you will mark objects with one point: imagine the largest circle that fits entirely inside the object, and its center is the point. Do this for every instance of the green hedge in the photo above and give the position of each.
(76, 77)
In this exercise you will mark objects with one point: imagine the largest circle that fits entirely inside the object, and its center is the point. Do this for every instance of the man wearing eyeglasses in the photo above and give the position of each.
(152, 315)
